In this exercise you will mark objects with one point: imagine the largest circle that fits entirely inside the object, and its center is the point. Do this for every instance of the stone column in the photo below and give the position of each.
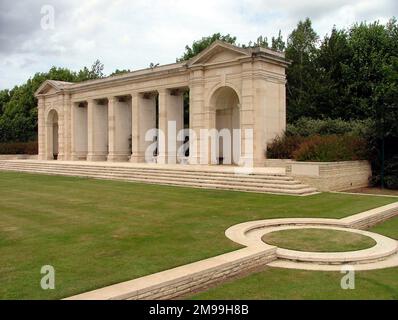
(143, 108)
(249, 150)
(112, 101)
(79, 131)
(41, 129)
(67, 127)
(136, 156)
(119, 126)
(97, 131)
(171, 121)
(196, 113)
(162, 134)
(61, 128)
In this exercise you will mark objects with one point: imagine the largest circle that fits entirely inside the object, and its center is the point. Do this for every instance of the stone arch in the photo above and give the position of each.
(52, 128)
(224, 107)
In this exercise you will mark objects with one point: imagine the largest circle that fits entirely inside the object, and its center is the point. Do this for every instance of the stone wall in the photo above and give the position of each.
(183, 280)
(327, 176)
(18, 156)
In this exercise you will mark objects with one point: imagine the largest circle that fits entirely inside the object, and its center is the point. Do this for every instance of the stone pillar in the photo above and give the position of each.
(112, 101)
(97, 120)
(196, 113)
(119, 126)
(171, 121)
(61, 129)
(162, 134)
(41, 129)
(79, 130)
(136, 156)
(67, 127)
(143, 108)
(250, 152)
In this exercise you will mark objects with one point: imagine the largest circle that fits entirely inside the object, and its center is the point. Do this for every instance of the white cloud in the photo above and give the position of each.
(131, 34)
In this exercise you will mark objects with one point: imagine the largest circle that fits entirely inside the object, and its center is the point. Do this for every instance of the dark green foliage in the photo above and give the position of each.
(117, 72)
(345, 147)
(30, 147)
(331, 148)
(301, 50)
(283, 146)
(308, 127)
(18, 112)
(199, 45)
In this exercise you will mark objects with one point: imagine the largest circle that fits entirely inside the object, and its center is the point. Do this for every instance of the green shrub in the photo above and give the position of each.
(331, 148)
(30, 147)
(282, 147)
(390, 173)
(308, 127)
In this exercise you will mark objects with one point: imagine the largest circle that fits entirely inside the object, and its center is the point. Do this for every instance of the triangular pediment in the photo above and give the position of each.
(218, 52)
(51, 86)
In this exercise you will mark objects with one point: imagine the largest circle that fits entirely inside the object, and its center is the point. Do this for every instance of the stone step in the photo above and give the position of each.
(212, 180)
(260, 189)
(235, 177)
(257, 176)
(290, 184)
(111, 175)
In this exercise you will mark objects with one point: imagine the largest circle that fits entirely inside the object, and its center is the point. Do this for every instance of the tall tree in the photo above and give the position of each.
(277, 43)
(330, 94)
(199, 45)
(301, 50)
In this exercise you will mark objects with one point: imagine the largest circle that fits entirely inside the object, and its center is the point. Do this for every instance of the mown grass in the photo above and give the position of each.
(318, 240)
(96, 233)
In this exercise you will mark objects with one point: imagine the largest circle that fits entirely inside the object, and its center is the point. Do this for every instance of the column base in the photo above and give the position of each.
(77, 156)
(161, 159)
(194, 160)
(96, 157)
(115, 157)
(137, 158)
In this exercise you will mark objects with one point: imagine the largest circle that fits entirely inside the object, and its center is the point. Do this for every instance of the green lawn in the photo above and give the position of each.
(96, 233)
(318, 240)
(275, 283)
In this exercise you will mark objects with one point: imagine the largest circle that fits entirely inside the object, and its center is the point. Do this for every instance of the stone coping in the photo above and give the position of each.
(384, 253)
(384, 247)
(182, 275)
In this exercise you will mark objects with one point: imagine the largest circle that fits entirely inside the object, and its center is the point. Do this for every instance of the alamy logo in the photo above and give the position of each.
(348, 280)
(47, 21)
(48, 280)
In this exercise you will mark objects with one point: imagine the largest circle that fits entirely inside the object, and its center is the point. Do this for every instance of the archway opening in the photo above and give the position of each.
(52, 135)
(226, 108)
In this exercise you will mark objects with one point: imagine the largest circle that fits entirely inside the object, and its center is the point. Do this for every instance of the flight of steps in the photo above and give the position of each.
(258, 182)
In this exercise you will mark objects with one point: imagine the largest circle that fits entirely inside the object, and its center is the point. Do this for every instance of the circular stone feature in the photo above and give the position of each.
(318, 240)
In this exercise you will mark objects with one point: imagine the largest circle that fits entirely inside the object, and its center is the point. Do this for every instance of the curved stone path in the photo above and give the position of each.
(384, 254)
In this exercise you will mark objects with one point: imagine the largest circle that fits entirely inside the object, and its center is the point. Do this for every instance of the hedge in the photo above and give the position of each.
(30, 147)
(319, 148)
(331, 148)
(308, 127)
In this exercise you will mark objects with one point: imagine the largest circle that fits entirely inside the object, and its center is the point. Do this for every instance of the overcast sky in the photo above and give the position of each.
(130, 34)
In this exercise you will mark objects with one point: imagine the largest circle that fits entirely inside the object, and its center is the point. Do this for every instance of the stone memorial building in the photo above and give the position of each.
(107, 119)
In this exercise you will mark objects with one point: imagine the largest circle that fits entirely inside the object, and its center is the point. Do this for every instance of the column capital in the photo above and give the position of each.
(162, 91)
(134, 94)
(90, 101)
(112, 99)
